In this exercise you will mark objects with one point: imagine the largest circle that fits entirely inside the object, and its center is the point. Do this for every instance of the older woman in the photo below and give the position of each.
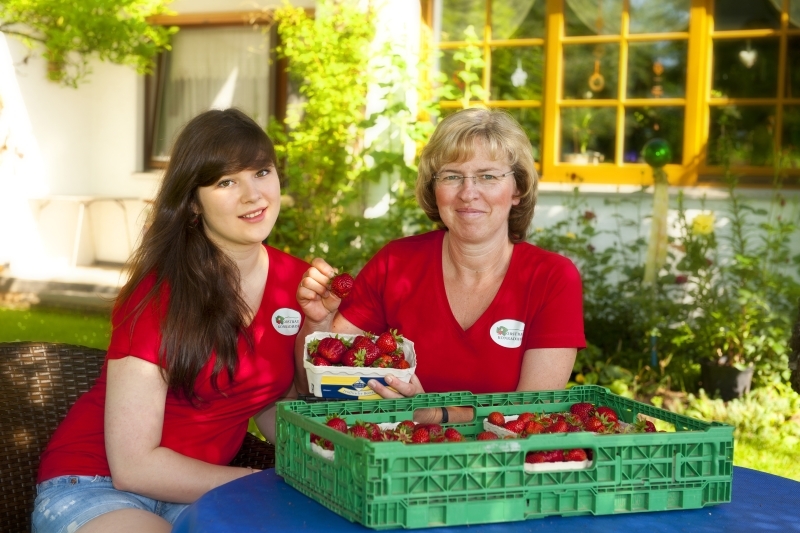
(487, 311)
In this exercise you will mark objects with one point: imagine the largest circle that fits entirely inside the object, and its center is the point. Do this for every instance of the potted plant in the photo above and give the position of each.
(578, 122)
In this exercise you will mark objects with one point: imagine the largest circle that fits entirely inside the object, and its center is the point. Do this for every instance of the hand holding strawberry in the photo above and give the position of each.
(342, 284)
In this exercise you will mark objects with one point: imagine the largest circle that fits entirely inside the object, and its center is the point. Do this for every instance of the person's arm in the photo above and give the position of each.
(546, 368)
(320, 307)
(134, 416)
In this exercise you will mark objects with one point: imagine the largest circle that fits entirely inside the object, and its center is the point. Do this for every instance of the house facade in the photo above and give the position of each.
(590, 81)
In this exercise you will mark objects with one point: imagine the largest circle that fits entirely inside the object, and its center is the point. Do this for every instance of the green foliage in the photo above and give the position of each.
(329, 172)
(73, 32)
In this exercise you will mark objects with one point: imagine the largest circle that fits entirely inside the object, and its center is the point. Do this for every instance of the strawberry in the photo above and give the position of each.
(485, 435)
(582, 410)
(371, 353)
(374, 431)
(575, 455)
(607, 412)
(407, 423)
(388, 435)
(312, 347)
(517, 426)
(342, 284)
(435, 431)
(320, 361)
(555, 456)
(353, 357)
(363, 340)
(533, 427)
(325, 444)
(401, 364)
(649, 427)
(332, 349)
(573, 428)
(559, 426)
(536, 457)
(453, 435)
(359, 431)
(420, 435)
(383, 361)
(594, 424)
(525, 417)
(388, 341)
(496, 418)
(336, 423)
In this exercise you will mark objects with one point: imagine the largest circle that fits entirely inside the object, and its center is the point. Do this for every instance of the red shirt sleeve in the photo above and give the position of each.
(137, 328)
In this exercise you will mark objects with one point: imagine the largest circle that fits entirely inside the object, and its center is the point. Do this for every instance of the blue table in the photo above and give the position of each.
(264, 502)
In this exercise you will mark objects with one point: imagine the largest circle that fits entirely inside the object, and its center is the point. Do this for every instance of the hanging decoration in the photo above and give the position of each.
(596, 80)
(519, 77)
(657, 90)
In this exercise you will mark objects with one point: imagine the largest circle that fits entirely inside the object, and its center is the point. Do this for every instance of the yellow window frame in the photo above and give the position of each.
(696, 103)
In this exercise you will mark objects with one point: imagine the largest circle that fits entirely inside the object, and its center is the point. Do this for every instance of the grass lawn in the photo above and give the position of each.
(71, 327)
(766, 456)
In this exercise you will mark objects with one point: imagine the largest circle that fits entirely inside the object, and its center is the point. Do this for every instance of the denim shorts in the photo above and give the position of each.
(65, 503)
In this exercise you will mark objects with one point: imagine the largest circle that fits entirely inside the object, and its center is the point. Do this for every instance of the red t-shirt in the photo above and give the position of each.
(539, 305)
(214, 431)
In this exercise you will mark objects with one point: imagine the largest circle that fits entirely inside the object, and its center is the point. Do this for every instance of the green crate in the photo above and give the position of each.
(391, 484)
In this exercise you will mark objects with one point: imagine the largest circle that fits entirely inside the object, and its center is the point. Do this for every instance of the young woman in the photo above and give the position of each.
(487, 311)
(202, 341)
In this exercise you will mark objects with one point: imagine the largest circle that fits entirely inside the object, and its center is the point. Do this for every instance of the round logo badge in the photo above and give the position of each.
(286, 321)
(507, 333)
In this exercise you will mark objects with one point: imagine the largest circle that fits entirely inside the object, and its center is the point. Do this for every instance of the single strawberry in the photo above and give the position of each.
(325, 444)
(320, 361)
(582, 410)
(485, 435)
(365, 339)
(407, 423)
(342, 284)
(388, 341)
(374, 431)
(388, 435)
(594, 425)
(337, 423)
(453, 435)
(533, 427)
(420, 435)
(358, 430)
(401, 364)
(536, 457)
(517, 426)
(371, 353)
(573, 428)
(559, 426)
(607, 412)
(525, 417)
(383, 361)
(649, 427)
(576, 454)
(332, 349)
(435, 431)
(496, 418)
(555, 456)
(353, 357)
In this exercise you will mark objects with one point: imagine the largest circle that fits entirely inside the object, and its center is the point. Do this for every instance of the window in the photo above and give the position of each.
(593, 80)
(217, 61)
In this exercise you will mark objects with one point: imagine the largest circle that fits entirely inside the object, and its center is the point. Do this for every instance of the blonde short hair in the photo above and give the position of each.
(454, 141)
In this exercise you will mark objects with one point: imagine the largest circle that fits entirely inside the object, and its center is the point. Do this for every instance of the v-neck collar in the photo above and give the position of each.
(443, 290)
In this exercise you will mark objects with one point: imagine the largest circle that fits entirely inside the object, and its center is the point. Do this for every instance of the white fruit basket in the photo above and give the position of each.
(350, 383)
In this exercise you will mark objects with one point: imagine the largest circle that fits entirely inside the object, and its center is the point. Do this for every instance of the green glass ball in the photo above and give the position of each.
(657, 153)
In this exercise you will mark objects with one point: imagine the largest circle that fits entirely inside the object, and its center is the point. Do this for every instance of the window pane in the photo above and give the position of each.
(746, 68)
(590, 71)
(211, 68)
(791, 135)
(747, 15)
(794, 14)
(658, 16)
(743, 134)
(453, 69)
(517, 73)
(590, 17)
(588, 135)
(657, 69)
(793, 68)
(531, 121)
(457, 15)
(645, 123)
(518, 19)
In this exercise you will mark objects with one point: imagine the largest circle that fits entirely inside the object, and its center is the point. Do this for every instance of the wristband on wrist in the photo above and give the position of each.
(445, 416)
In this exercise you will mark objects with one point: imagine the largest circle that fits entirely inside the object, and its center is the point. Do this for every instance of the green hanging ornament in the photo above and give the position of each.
(657, 153)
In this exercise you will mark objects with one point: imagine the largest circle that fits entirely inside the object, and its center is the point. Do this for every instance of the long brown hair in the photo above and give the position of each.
(205, 310)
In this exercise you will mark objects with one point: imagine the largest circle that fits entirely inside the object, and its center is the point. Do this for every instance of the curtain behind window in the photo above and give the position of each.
(211, 68)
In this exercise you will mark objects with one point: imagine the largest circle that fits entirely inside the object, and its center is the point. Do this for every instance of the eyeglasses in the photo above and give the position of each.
(484, 181)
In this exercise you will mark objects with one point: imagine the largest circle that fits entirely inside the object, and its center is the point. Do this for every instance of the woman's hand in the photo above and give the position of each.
(319, 304)
(402, 389)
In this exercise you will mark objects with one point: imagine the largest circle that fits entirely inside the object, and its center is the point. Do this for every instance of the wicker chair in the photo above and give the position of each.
(39, 382)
